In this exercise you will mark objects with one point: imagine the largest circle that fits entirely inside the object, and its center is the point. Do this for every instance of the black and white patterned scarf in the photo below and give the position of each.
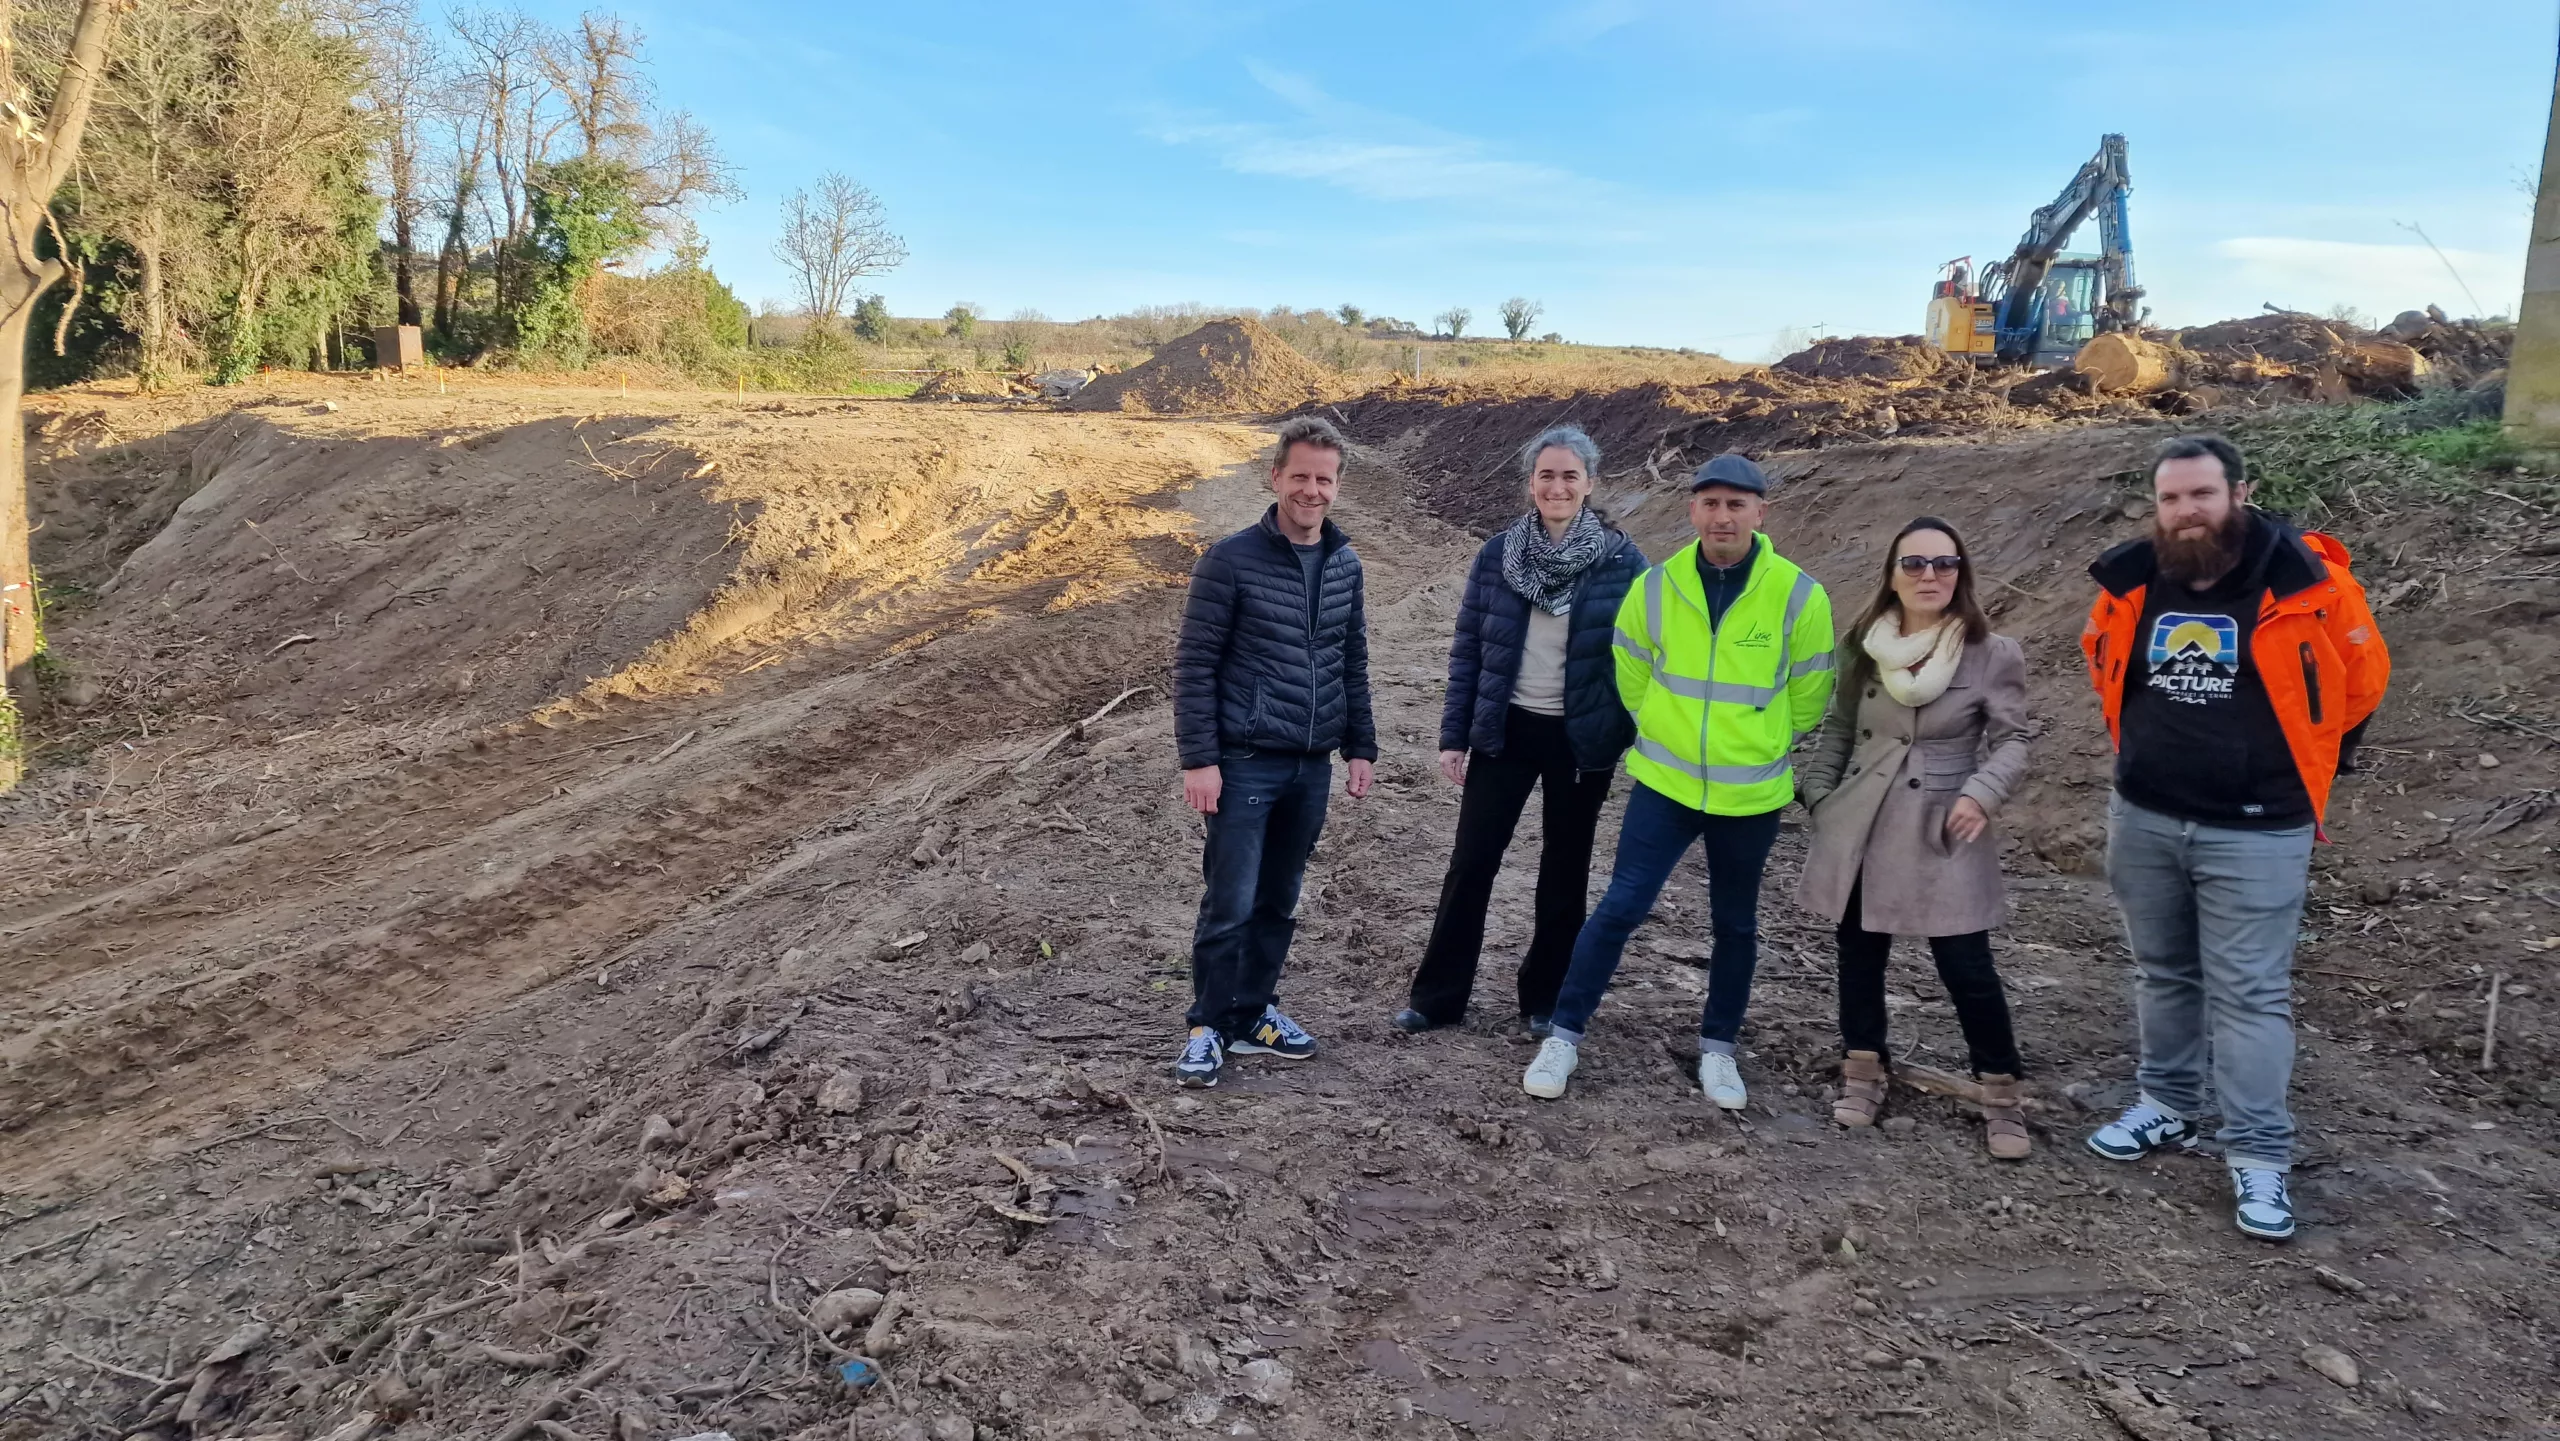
(1542, 569)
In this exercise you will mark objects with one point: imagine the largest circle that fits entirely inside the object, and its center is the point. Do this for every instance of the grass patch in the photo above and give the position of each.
(13, 746)
(2311, 461)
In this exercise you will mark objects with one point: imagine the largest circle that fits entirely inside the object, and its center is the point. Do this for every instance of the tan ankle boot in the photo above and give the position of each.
(1862, 1083)
(2004, 1120)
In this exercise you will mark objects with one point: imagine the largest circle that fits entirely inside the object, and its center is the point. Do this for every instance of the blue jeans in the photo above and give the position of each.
(1270, 811)
(2211, 915)
(1656, 833)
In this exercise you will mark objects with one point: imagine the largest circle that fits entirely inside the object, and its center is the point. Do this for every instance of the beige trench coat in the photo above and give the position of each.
(1881, 780)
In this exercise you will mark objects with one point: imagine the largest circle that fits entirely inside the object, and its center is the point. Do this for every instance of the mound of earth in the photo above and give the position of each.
(1461, 441)
(1226, 367)
(1870, 357)
(973, 385)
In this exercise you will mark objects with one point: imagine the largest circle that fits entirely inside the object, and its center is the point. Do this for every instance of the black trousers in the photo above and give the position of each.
(1964, 968)
(1534, 751)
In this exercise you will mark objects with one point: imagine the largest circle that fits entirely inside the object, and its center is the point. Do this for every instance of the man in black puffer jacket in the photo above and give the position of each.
(1271, 677)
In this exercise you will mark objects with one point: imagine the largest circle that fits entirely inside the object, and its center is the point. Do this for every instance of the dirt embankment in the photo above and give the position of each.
(847, 953)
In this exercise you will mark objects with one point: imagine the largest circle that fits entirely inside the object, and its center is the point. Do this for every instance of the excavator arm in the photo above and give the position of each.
(2099, 189)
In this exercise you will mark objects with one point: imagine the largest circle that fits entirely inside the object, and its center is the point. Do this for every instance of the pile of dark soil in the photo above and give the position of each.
(973, 385)
(1226, 367)
(1871, 357)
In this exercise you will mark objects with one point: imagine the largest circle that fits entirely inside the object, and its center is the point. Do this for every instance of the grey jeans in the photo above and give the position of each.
(2211, 914)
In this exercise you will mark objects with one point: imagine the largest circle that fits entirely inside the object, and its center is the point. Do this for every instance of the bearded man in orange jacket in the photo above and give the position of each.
(2235, 656)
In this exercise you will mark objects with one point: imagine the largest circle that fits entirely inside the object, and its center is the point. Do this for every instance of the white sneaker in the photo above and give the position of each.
(1552, 1067)
(1721, 1081)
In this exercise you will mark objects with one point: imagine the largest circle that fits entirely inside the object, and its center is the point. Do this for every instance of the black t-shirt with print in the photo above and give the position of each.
(2198, 739)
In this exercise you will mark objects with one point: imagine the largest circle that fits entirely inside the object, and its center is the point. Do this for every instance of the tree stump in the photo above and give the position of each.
(2125, 364)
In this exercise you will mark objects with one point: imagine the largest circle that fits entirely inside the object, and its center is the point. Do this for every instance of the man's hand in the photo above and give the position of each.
(1357, 782)
(1200, 787)
(1966, 822)
(1453, 764)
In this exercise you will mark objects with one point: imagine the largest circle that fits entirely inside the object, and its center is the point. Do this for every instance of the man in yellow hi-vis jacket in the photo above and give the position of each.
(1724, 659)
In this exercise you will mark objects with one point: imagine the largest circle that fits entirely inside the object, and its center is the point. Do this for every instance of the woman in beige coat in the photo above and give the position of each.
(1926, 737)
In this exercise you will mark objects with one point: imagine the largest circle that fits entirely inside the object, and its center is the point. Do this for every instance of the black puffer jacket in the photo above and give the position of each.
(1484, 658)
(1252, 672)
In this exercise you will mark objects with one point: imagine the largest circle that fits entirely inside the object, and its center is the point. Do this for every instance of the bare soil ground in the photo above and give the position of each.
(780, 908)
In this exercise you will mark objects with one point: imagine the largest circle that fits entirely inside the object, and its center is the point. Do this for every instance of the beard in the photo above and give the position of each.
(2201, 559)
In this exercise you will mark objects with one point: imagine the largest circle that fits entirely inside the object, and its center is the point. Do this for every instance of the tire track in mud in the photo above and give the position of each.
(518, 856)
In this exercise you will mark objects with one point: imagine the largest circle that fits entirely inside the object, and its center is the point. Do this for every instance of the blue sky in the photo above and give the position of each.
(1699, 174)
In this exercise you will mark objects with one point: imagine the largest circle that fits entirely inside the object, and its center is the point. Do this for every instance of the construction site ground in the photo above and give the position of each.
(524, 895)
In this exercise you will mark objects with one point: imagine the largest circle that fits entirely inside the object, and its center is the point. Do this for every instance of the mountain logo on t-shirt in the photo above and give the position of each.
(2195, 658)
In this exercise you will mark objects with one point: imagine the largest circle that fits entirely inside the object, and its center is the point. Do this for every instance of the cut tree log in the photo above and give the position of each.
(2124, 364)
(2376, 366)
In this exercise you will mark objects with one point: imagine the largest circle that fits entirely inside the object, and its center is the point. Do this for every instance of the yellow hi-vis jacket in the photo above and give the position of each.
(1717, 707)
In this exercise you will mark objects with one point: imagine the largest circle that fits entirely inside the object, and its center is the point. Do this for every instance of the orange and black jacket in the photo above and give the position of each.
(2316, 649)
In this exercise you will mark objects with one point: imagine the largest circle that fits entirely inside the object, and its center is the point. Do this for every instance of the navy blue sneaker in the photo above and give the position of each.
(2260, 1206)
(1203, 1056)
(2145, 1127)
(1413, 1022)
(1274, 1035)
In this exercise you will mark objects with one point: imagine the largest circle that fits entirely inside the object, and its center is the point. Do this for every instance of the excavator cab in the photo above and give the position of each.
(1960, 320)
(2067, 309)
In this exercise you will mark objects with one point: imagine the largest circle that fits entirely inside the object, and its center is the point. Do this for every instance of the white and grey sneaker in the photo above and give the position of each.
(2260, 1206)
(1204, 1054)
(1721, 1080)
(1551, 1068)
(2145, 1127)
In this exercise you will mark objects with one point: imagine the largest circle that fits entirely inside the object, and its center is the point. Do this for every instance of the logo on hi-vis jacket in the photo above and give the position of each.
(2195, 659)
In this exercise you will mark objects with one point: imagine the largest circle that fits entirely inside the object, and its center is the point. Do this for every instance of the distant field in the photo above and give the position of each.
(1360, 357)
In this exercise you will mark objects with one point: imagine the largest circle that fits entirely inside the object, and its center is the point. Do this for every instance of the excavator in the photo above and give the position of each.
(2039, 306)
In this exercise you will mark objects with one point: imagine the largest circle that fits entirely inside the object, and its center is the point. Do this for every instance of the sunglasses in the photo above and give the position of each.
(1942, 564)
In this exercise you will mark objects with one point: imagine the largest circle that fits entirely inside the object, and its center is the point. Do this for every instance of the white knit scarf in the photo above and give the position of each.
(1915, 669)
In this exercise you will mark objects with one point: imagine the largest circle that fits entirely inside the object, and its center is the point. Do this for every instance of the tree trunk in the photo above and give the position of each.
(156, 368)
(2121, 363)
(37, 158)
(451, 261)
(17, 569)
(404, 264)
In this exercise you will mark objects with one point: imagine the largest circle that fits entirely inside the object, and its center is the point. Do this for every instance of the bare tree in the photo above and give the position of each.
(465, 154)
(1454, 320)
(402, 78)
(1518, 314)
(40, 149)
(681, 169)
(831, 239)
(507, 53)
(596, 71)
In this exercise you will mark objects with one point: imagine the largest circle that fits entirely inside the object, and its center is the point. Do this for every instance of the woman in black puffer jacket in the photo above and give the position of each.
(1533, 697)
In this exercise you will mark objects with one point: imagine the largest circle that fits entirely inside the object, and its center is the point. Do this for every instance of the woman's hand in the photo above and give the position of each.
(1453, 764)
(1966, 821)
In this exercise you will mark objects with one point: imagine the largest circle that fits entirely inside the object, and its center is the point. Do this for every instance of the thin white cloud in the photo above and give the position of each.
(2308, 274)
(1370, 152)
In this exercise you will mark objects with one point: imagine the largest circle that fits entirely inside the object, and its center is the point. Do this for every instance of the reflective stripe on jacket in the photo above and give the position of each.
(2316, 650)
(1718, 706)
